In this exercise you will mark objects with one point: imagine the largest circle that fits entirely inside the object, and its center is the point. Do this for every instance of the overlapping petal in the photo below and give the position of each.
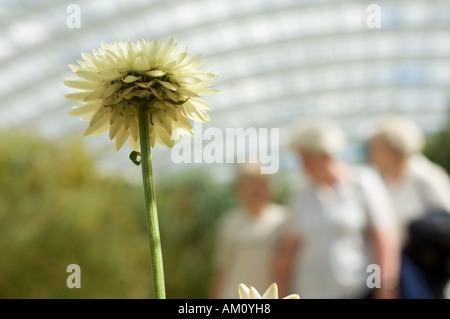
(116, 79)
(271, 293)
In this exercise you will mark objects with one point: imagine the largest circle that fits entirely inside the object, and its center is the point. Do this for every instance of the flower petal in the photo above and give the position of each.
(116, 127)
(156, 73)
(88, 75)
(188, 79)
(168, 85)
(134, 143)
(134, 130)
(125, 92)
(85, 109)
(80, 84)
(121, 138)
(112, 89)
(109, 75)
(166, 138)
(253, 293)
(95, 95)
(78, 96)
(87, 118)
(195, 113)
(99, 123)
(207, 76)
(102, 63)
(186, 92)
(271, 292)
(130, 78)
(199, 103)
(157, 93)
(243, 291)
(145, 85)
(208, 91)
(172, 96)
(128, 120)
(141, 64)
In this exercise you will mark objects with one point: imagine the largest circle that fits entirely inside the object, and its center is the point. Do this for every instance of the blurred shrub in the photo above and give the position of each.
(437, 147)
(55, 211)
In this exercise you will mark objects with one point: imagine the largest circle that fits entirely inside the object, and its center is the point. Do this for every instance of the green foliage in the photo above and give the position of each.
(55, 210)
(437, 148)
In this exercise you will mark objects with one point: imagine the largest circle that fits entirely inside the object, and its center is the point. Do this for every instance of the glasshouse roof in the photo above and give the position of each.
(277, 61)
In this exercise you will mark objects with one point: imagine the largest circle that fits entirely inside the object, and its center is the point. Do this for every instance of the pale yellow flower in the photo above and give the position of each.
(117, 78)
(271, 293)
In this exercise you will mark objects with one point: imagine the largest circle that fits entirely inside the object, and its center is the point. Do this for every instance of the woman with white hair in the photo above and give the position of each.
(415, 183)
(342, 224)
(418, 188)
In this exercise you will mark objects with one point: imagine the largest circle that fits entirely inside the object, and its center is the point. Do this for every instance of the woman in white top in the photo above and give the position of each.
(342, 224)
(416, 186)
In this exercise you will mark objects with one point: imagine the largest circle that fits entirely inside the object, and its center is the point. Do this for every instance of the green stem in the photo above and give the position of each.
(150, 204)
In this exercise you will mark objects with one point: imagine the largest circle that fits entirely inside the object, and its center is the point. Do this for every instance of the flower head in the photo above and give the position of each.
(271, 293)
(117, 79)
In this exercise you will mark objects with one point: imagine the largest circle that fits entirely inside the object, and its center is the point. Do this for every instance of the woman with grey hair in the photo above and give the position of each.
(420, 192)
(342, 224)
(414, 182)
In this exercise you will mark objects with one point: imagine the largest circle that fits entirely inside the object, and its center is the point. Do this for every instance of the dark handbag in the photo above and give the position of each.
(428, 247)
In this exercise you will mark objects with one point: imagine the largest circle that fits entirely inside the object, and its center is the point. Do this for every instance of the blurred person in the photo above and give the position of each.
(415, 184)
(420, 191)
(248, 236)
(342, 222)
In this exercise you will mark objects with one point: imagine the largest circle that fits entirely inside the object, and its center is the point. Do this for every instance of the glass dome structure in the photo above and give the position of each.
(277, 61)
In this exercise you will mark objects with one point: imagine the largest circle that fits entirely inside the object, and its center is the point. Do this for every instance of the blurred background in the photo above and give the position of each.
(68, 199)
